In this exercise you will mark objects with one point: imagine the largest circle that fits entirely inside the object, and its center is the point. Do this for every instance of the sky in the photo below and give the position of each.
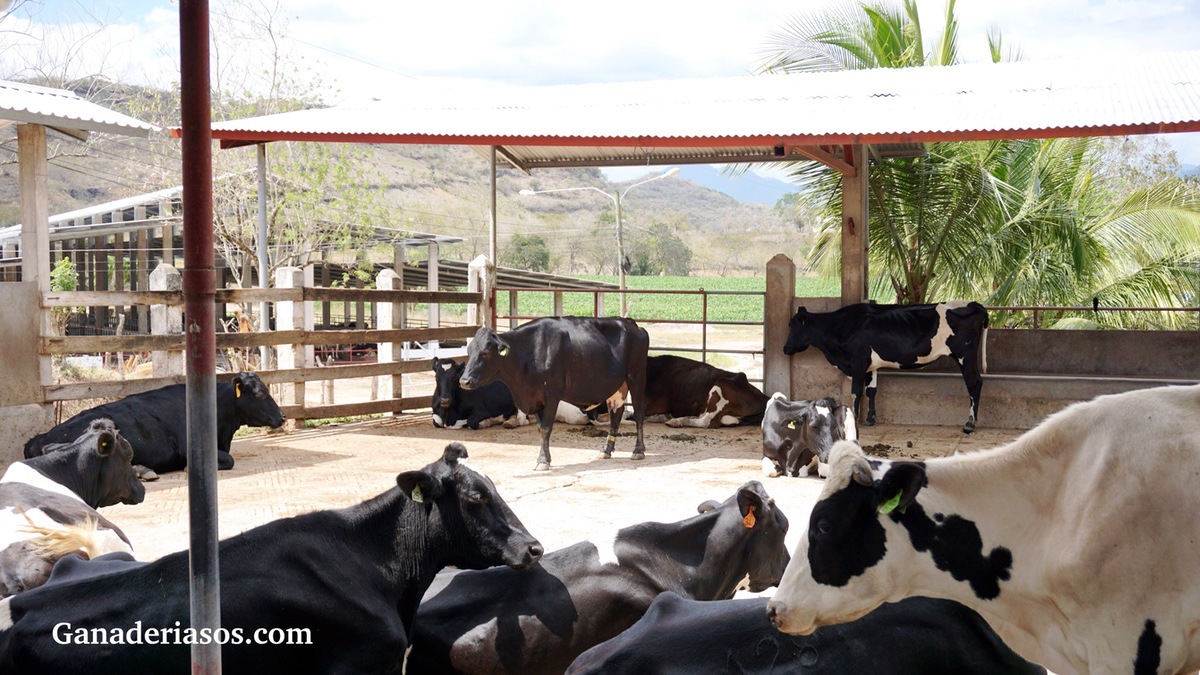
(369, 48)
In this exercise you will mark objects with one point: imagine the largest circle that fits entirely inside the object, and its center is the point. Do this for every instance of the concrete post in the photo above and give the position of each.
(777, 312)
(166, 320)
(435, 309)
(290, 316)
(481, 277)
(390, 316)
(558, 303)
(141, 279)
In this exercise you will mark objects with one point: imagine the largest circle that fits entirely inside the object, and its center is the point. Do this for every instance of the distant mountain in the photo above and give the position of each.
(1189, 170)
(749, 187)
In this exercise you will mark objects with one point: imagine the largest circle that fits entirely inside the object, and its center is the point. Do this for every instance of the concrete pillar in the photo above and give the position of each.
(855, 228)
(435, 309)
(390, 316)
(481, 277)
(778, 303)
(290, 316)
(558, 303)
(166, 320)
(141, 279)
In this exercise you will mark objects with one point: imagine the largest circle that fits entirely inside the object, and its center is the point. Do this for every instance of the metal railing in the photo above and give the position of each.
(1038, 312)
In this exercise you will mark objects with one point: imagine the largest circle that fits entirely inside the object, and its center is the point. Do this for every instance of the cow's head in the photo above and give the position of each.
(745, 399)
(253, 401)
(102, 463)
(799, 333)
(446, 388)
(839, 572)
(796, 432)
(751, 513)
(483, 531)
(484, 355)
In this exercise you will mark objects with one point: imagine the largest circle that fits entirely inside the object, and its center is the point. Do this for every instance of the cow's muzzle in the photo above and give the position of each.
(467, 383)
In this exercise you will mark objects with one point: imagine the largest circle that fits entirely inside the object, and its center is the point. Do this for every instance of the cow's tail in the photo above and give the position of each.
(52, 543)
(983, 340)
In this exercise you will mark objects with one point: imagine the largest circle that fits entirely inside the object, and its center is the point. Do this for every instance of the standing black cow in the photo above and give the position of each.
(797, 435)
(154, 422)
(580, 360)
(538, 620)
(916, 635)
(348, 579)
(860, 339)
(48, 505)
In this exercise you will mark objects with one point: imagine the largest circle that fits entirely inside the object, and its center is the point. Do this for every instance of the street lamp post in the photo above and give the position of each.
(616, 198)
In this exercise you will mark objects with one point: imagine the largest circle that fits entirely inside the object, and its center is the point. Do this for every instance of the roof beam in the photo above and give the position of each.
(825, 156)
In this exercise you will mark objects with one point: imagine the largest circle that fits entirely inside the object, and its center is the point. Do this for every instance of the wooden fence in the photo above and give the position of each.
(292, 338)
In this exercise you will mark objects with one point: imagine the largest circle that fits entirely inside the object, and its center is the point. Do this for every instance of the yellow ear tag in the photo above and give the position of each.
(417, 496)
(237, 389)
(748, 521)
(503, 351)
(791, 424)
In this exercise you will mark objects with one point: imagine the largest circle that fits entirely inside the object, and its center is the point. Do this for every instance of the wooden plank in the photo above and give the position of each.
(111, 298)
(112, 389)
(247, 295)
(93, 344)
(318, 294)
(342, 337)
(344, 372)
(387, 405)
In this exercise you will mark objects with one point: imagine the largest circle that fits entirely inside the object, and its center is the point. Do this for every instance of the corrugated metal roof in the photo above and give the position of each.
(64, 111)
(766, 117)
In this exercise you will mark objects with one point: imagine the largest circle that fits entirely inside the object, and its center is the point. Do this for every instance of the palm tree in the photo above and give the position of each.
(1006, 222)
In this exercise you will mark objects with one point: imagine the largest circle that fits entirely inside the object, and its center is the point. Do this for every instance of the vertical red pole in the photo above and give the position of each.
(200, 355)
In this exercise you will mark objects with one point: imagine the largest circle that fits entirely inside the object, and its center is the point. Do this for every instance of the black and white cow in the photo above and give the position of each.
(538, 620)
(916, 635)
(797, 435)
(584, 361)
(455, 407)
(860, 339)
(352, 577)
(1077, 541)
(48, 505)
(154, 422)
(695, 394)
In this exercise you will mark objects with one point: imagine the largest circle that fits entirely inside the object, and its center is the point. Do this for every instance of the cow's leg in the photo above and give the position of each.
(872, 387)
(545, 426)
(974, 381)
(224, 460)
(856, 388)
(144, 473)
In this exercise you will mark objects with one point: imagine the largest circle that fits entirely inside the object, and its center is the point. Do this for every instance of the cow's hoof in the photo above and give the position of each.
(542, 466)
(870, 422)
(638, 455)
(145, 473)
(675, 422)
(968, 427)
(606, 455)
(510, 423)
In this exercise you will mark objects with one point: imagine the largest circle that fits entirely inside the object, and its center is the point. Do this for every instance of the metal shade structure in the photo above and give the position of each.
(64, 111)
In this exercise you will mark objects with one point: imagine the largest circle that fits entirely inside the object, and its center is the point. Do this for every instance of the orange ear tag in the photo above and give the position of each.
(237, 390)
(748, 521)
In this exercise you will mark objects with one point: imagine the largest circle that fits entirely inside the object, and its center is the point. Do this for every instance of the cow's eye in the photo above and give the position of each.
(477, 498)
(824, 526)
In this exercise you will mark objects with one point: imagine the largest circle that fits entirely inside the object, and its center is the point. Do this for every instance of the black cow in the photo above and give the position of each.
(48, 505)
(580, 360)
(797, 435)
(538, 620)
(695, 394)
(455, 407)
(155, 424)
(916, 635)
(860, 339)
(347, 582)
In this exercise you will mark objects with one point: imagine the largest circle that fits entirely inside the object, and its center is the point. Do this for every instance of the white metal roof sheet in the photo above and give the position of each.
(65, 111)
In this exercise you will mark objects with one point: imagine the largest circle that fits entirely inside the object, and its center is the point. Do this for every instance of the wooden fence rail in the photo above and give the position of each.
(253, 295)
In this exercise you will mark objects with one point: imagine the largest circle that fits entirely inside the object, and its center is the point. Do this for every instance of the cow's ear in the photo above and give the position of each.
(437, 364)
(750, 503)
(501, 348)
(899, 486)
(707, 506)
(237, 385)
(106, 444)
(454, 452)
(419, 486)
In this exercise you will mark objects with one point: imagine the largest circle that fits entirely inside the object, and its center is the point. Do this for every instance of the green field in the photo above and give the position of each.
(663, 306)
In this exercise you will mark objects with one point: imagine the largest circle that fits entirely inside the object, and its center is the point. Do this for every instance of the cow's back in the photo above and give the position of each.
(153, 422)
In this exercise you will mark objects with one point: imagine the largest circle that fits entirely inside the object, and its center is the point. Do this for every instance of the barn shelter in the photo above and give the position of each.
(36, 111)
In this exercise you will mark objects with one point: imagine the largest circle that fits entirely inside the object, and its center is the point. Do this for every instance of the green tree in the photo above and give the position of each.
(527, 252)
(661, 251)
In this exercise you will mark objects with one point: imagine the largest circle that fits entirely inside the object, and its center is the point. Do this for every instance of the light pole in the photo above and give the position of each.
(616, 197)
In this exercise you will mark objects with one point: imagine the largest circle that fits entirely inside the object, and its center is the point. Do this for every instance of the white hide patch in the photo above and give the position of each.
(769, 468)
(20, 472)
(730, 420)
(437, 420)
(466, 463)
(778, 396)
(878, 362)
(6, 621)
(570, 414)
(850, 427)
(703, 421)
(606, 549)
(822, 410)
(938, 346)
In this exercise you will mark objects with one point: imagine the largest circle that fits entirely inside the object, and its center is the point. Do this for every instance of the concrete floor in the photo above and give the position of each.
(284, 474)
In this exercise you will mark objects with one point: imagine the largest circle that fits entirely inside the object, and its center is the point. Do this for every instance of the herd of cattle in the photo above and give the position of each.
(1071, 546)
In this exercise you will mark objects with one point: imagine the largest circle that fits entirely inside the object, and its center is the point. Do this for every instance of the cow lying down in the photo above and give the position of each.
(539, 619)
(48, 505)
(489, 405)
(797, 435)
(154, 422)
(914, 636)
(351, 577)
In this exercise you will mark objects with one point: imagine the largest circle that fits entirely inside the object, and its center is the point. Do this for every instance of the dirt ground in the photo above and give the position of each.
(283, 474)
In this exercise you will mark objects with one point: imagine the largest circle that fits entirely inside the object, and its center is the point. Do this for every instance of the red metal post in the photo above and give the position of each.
(200, 349)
